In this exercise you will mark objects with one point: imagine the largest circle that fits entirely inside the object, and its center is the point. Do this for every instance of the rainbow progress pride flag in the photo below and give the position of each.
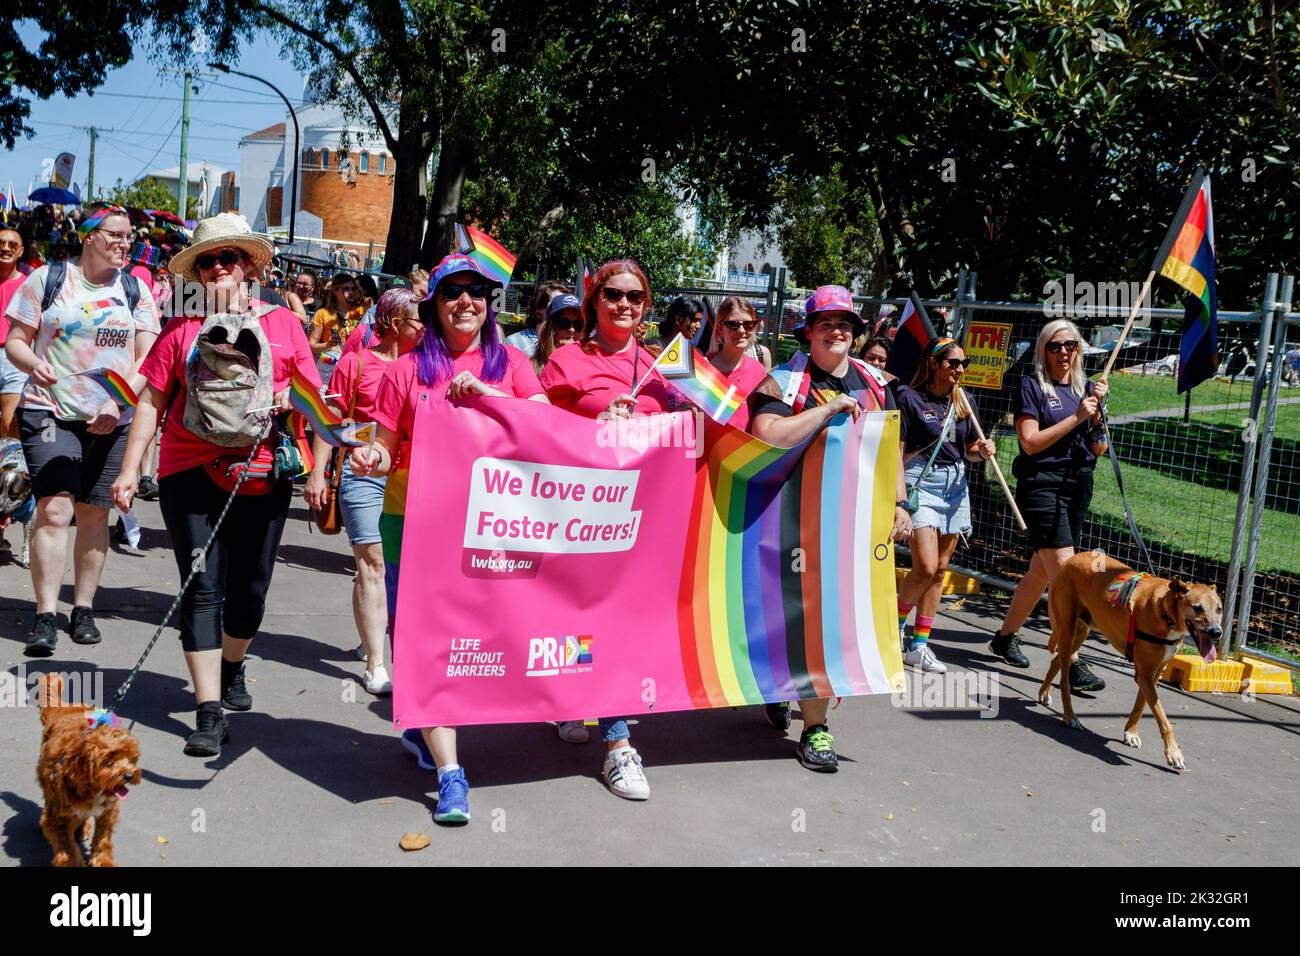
(119, 390)
(691, 374)
(1187, 257)
(494, 259)
(305, 399)
(532, 583)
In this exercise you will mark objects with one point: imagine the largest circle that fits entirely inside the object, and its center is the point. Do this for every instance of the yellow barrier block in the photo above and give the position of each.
(1265, 677)
(953, 583)
(1193, 674)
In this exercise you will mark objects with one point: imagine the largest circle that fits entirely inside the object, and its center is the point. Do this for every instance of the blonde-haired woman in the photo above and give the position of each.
(939, 437)
(1058, 422)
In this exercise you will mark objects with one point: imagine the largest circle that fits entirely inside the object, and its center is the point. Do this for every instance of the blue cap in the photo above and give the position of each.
(562, 302)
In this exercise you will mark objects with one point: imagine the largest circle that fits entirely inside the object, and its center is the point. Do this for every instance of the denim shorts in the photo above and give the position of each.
(11, 380)
(945, 497)
(361, 501)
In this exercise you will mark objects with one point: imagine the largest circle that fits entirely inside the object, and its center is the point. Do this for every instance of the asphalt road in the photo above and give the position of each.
(315, 775)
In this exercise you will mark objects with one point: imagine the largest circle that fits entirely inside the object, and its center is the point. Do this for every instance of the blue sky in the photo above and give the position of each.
(144, 107)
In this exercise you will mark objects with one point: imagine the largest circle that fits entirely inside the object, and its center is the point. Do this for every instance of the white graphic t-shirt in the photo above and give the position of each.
(86, 327)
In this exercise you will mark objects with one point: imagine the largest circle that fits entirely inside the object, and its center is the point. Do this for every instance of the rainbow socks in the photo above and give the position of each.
(903, 611)
(921, 632)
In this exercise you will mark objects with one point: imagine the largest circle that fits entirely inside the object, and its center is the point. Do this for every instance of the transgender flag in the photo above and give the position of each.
(1187, 257)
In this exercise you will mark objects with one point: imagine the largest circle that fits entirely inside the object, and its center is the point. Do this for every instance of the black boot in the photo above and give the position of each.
(211, 731)
(1083, 679)
(1007, 647)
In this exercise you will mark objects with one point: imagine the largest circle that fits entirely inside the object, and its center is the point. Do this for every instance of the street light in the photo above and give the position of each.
(297, 139)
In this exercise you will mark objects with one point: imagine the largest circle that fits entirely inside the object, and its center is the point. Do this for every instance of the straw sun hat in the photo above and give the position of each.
(227, 230)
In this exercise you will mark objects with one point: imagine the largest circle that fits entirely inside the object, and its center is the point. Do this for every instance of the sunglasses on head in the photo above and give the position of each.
(612, 295)
(568, 324)
(735, 325)
(227, 257)
(956, 363)
(451, 291)
(1069, 346)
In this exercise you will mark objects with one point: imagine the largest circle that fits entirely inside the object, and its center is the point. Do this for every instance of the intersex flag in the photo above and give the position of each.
(915, 332)
(525, 537)
(690, 373)
(1187, 257)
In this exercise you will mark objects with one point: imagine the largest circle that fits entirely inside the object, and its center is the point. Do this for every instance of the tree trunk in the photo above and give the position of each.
(444, 210)
(410, 196)
(532, 246)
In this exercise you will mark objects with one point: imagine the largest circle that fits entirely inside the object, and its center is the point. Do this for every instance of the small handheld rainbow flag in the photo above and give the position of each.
(117, 387)
(306, 400)
(1187, 257)
(690, 373)
(493, 258)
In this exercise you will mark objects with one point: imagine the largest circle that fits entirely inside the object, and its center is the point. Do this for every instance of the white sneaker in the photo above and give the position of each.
(377, 681)
(361, 652)
(573, 731)
(624, 776)
(924, 658)
(904, 644)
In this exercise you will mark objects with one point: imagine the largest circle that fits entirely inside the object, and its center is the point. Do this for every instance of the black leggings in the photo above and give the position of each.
(230, 592)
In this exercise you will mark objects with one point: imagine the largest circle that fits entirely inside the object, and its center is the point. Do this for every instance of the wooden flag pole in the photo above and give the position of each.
(1137, 307)
(997, 470)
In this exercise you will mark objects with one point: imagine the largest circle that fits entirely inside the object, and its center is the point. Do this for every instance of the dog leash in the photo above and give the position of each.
(108, 715)
(1123, 496)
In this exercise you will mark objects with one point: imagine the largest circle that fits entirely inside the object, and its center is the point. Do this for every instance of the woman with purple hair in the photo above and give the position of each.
(461, 354)
(355, 384)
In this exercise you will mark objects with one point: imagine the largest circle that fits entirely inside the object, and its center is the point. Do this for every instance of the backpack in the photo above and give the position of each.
(54, 282)
(229, 372)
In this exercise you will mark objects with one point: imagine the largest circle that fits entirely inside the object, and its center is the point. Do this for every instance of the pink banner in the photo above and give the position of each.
(558, 568)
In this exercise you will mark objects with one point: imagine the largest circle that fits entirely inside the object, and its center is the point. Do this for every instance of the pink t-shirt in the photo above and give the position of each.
(344, 379)
(164, 367)
(401, 389)
(746, 377)
(585, 381)
(7, 290)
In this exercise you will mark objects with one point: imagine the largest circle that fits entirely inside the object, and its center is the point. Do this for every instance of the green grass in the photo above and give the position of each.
(1162, 506)
(1130, 394)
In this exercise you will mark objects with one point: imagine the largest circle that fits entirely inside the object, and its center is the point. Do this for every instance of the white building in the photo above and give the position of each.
(216, 188)
(261, 167)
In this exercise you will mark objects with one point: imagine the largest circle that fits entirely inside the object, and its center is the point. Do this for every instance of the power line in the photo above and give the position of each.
(178, 99)
(180, 172)
(157, 132)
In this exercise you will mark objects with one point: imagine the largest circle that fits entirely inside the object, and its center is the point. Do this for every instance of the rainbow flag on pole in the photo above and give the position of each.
(117, 387)
(1187, 257)
(492, 257)
(690, 373)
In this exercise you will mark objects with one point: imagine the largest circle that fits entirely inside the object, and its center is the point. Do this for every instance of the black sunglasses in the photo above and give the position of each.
(568, 324)
(957, 363)
(451, 291)
(1070, 346)
(634, 296)
(227, 257)
(735, 325)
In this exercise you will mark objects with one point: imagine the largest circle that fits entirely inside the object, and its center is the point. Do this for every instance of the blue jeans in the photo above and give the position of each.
(613, 729)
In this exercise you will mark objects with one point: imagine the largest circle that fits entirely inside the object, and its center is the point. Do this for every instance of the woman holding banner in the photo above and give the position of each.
(939, 437)
(1058, 422)
(461, 354)
(595, 379)
(793, 403)
(355, 385)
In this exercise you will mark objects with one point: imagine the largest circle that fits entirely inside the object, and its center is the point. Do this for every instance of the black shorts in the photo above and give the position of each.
(1055, 506)
(65, 459)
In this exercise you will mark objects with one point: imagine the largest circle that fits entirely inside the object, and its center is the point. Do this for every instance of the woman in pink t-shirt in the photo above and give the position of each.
(222, 609)
(461, 354)
(595, 379)
(734, 334)
(355, 385)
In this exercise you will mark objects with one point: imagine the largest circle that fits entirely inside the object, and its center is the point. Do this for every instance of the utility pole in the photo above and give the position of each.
(94, 132)
(183, 173)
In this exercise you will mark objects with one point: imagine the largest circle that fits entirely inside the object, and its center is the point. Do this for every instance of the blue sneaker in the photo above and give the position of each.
(453, 798)
(413, 742)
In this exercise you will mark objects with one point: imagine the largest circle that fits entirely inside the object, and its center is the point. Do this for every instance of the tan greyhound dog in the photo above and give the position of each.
(1140, 615)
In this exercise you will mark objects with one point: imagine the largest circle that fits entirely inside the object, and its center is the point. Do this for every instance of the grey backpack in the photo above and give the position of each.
(229, 373)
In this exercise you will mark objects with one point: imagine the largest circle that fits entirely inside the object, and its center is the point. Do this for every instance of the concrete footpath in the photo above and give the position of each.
(315, 775)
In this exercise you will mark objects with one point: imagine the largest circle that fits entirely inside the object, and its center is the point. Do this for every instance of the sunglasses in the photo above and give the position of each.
(227, 257)
(955, 364)
(572, 325)
(1070, 346)
(634, 296)
(735, 325)
(451, 291)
